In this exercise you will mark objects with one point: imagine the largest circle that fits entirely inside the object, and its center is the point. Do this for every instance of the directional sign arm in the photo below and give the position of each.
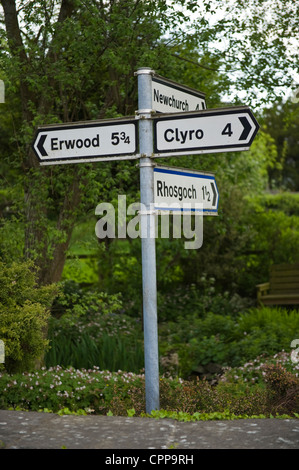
(114, 139)
(214, 130)
(179, 189)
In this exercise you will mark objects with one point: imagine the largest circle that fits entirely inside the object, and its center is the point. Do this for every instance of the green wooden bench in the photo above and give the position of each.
(283, 286)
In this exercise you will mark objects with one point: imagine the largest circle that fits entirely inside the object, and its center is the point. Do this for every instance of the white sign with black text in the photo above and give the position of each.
(212, 130)
(170, 97)
(86, 141)
(183, 190)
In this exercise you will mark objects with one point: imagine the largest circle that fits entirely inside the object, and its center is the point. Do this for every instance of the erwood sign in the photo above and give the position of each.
(192, 129)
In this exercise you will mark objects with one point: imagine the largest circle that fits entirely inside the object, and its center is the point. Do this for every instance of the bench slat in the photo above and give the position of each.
(293, 286)
(278, 300)
(283, 274)
(283, 291)
(283, 285)
(285, 267)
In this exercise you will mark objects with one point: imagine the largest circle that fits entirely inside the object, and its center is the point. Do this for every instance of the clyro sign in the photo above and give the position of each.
(170, 97)
(211, 130)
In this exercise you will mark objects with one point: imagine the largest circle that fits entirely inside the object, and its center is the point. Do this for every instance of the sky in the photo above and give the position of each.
(269, 12)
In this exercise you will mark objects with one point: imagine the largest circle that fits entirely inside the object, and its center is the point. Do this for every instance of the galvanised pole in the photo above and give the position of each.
(149, 282)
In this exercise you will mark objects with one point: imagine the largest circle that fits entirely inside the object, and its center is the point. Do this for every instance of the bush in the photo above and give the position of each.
(102, 392)
(283, 389)
(228, 340)
(265, 330)
(90, 329)
(199, 299)
(24, 313)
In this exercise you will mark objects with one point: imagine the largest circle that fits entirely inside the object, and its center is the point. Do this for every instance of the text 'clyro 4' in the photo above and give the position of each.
(177, 135)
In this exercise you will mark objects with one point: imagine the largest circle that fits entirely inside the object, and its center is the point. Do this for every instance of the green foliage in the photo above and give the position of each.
(11, 230)
(24, 312)
(68, 391)
(228, 340)
(286, 202)
(272, 224)
(58, 388)
(91, 329)
(76, 304)
(63, 82)
(187, 417)
(109, 353)
(199, 299)
(281, 122)
(71, 62)
(239, 37)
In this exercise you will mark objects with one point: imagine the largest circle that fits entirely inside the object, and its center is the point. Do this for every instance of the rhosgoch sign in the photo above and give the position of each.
(183, 190)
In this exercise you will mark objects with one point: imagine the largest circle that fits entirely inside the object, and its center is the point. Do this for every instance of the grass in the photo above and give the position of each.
(108, 352)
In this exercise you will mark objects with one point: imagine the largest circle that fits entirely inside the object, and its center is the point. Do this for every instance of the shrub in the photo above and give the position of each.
(265, 330)
(90, 329)
(24, 313)
(199, 299)
(58, 388)
(101, 392)
(228, 340)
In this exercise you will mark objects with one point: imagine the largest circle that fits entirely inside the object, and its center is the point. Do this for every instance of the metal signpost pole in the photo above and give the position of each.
(148, 241)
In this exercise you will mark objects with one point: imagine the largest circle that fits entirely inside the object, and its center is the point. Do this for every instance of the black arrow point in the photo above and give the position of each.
(214, 194)
(40, 146)
(247, 128)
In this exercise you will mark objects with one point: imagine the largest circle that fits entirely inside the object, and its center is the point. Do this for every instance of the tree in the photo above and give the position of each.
(70, 61)
(73, 60)
(256, 44)
(281, 122)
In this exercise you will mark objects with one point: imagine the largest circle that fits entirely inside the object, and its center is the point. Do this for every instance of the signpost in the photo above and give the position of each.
(86, 142)
(193, 130)
(183, 190)
(214, 130)
(170, 97)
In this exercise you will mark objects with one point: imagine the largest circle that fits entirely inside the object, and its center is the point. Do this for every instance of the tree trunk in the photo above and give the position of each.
(52, 270)
(37, 245)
